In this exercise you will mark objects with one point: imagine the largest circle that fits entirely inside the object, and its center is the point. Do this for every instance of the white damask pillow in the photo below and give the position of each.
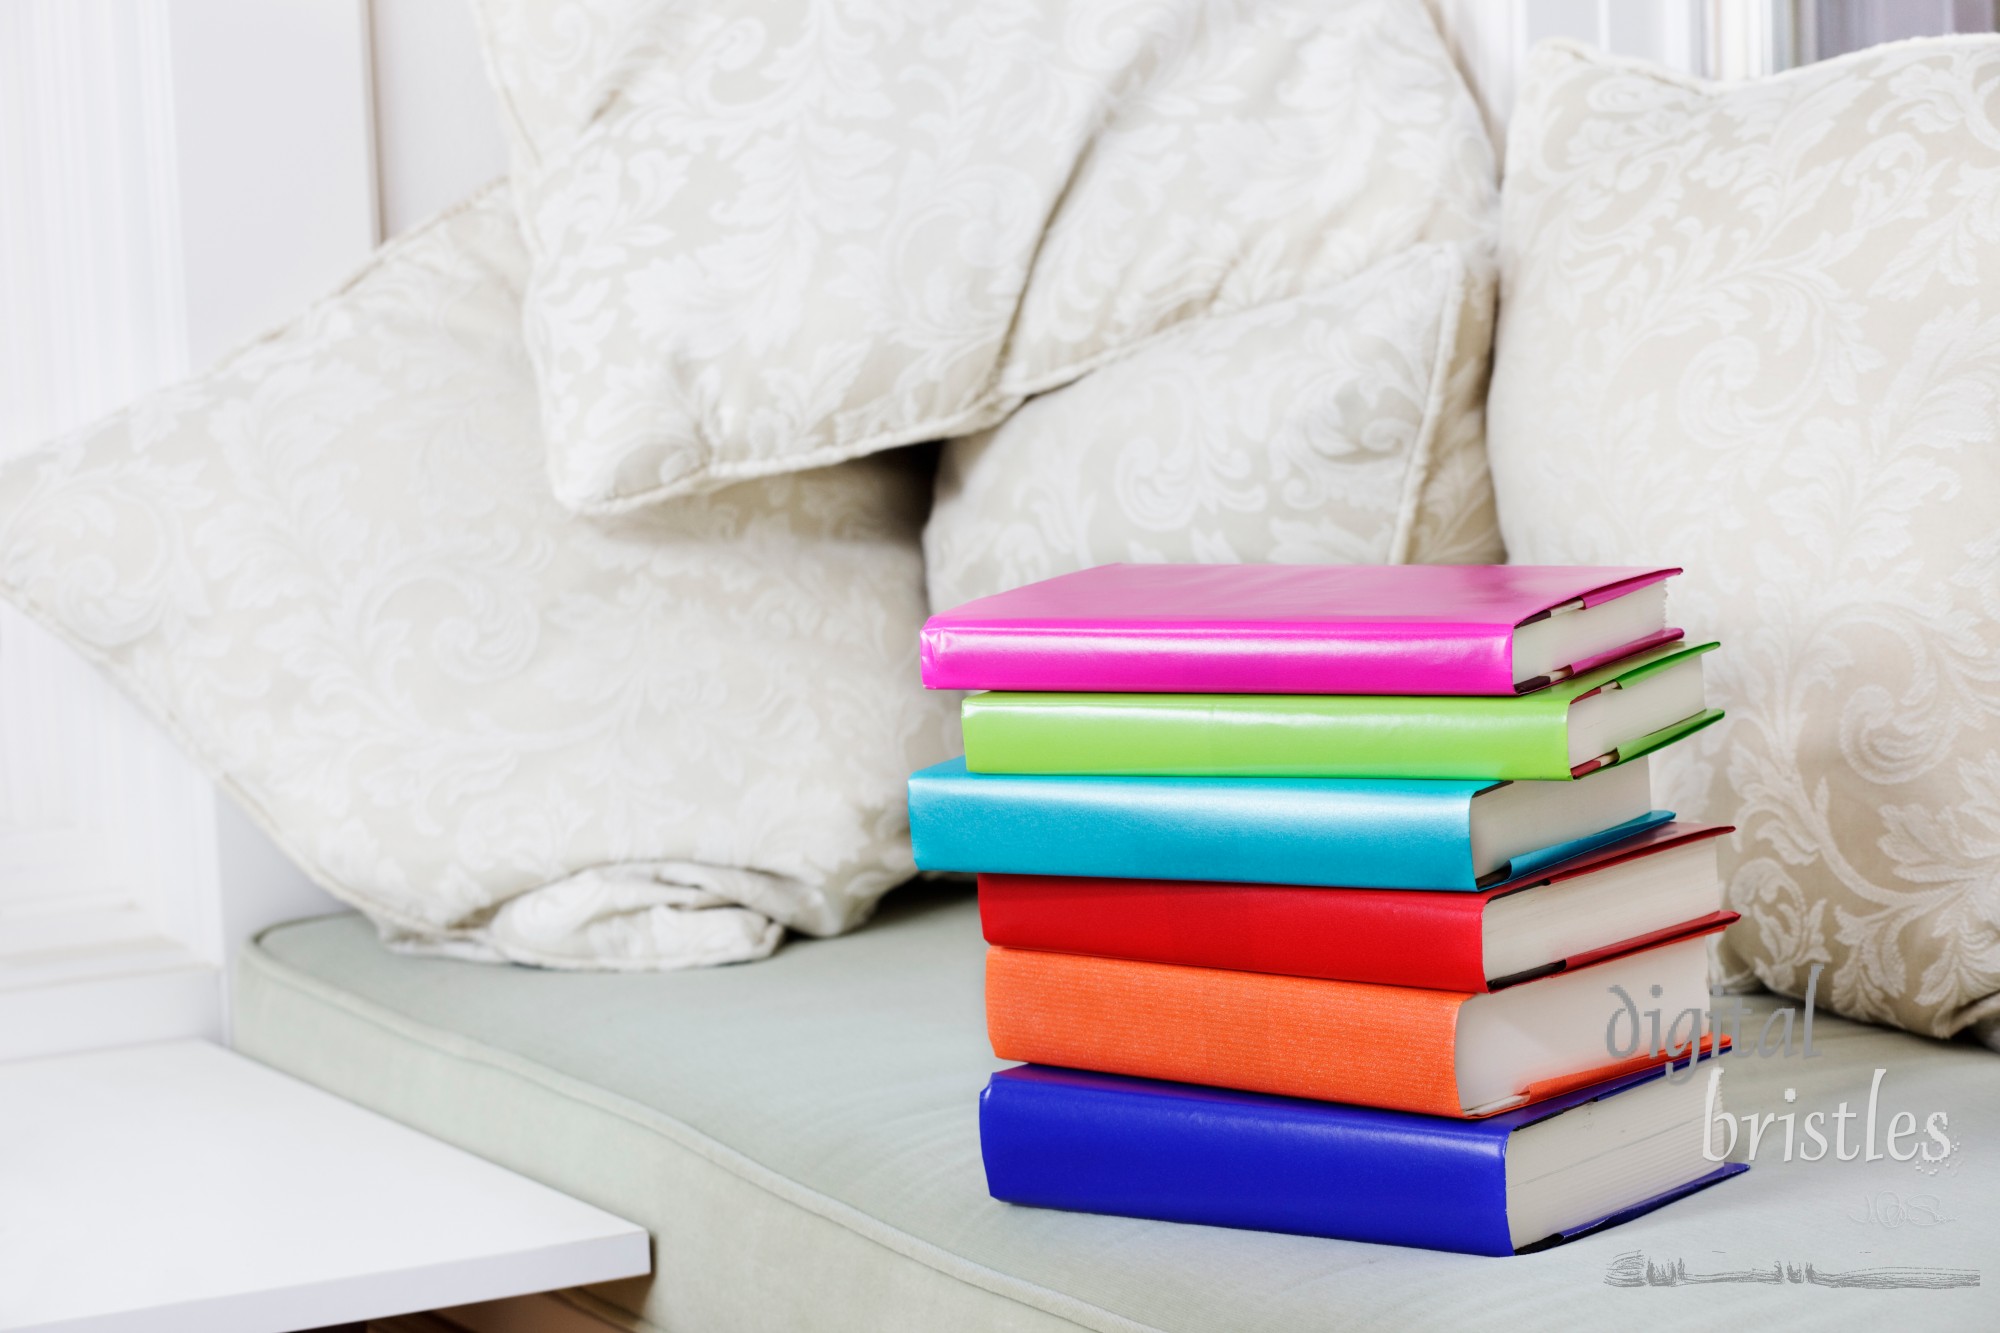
(1338, 427)
(1754, 329)
(779, 234)
(333, 569)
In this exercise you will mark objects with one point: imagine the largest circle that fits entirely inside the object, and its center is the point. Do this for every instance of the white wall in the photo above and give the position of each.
(438, 132)
(274, 159)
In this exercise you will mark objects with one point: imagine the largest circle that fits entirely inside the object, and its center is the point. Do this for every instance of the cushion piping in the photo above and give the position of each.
(1423, 450)
(1001, 399)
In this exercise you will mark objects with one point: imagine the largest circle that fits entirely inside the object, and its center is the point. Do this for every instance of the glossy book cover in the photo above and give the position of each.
(1312, 735)
(1270, 629)
(1103, 1143)
(1391, 937)
(1370, 833)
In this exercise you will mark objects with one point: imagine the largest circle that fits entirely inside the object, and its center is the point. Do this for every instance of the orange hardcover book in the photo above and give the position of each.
(1430, 1051)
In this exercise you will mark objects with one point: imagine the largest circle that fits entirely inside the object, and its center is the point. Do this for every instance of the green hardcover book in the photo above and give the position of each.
(1579, 725)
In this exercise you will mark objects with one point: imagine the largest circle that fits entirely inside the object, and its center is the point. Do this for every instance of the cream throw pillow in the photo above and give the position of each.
(775, 235)
(333, 569)
(1339, 427)
(1754, 329)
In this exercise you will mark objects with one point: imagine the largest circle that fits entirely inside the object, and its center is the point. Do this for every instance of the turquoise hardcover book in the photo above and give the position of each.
(1363, 833)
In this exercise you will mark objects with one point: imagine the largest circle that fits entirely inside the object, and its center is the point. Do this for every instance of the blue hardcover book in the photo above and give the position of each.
(1363, 833)
(1520, 1181)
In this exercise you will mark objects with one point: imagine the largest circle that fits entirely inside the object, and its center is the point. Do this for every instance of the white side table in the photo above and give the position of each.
(181, 1188)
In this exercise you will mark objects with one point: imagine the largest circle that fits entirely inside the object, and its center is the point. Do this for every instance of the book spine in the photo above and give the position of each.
(1412, 835)
(1435, 659)
(1091, 1143)
(1327, 736)
(1384, 936)
(1336, 1041)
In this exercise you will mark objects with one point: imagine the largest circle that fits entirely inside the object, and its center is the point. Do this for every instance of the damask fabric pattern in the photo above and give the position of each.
(1755, 330)
(1339, 427)
(777, 235)
(333, 569)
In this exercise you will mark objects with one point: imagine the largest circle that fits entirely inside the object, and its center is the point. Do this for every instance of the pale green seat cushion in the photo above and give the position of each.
(800, 1136)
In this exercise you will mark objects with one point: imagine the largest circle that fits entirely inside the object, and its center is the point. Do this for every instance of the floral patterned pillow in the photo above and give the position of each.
(775, 235)
(1339, 427)
(332, 568)
(1754, 329)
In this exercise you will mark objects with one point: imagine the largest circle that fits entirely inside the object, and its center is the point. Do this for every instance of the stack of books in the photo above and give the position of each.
(1331, 899)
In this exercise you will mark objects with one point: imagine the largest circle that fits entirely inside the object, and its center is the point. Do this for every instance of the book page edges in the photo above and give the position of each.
(1542, 1089)
(1605, 592)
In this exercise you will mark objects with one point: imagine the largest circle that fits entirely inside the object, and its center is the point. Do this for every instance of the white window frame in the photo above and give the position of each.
(174, 179)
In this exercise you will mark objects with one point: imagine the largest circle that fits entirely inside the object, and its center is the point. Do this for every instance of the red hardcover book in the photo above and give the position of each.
(1658, 886)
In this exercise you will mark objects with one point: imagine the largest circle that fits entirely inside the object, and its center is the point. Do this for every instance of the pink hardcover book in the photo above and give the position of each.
(1300, 629)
